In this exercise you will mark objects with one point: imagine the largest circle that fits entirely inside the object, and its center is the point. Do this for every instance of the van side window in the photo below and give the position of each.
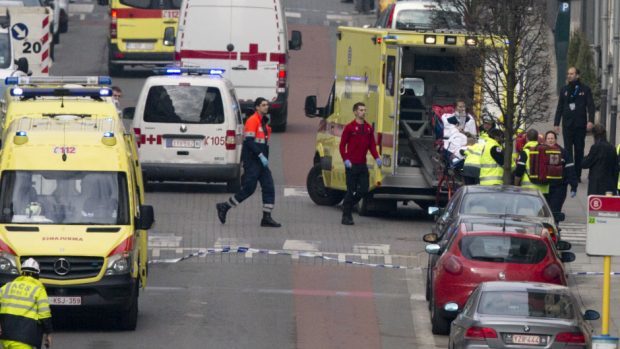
(184, 104)
(236, 108)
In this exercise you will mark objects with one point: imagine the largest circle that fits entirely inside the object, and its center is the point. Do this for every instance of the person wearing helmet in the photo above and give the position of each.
(487, 124)
(25, 315)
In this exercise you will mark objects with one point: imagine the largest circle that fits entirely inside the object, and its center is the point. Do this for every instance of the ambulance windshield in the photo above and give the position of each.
(5, 51)
(64, 197)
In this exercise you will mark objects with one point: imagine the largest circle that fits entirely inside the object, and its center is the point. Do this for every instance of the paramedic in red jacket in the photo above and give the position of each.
(357, 139)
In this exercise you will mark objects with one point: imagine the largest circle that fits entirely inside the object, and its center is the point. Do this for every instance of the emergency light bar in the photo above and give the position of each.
(60, 92)
(188, 71)
(58, 80)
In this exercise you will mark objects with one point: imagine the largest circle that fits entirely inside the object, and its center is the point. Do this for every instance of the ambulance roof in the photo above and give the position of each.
(65, 105)
(89, 144)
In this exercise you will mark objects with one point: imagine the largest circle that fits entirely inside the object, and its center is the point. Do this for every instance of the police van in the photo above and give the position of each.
(50, 96)
(188, 124)
(72, 198)
(246, 38)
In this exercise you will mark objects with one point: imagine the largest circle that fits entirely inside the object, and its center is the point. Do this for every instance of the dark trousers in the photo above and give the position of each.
(471, 180)
(357, 186)
(254, 173)
(575, 137)
(556, 197)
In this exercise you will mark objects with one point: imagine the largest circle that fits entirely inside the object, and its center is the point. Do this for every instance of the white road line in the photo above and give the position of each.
(419, 309)
(339, 18)
(81, 8)
(293, 14)
(301, 245)
(82, 16)
(230, 242)
(164, 240)
(295, 192)
(371, 248)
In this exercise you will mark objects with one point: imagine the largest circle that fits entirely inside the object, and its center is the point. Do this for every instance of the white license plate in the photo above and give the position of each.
(140, 45)
(185, 143)
(525, 339)
(65, 300)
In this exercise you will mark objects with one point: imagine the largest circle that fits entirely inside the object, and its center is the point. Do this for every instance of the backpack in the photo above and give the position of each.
(545, 164)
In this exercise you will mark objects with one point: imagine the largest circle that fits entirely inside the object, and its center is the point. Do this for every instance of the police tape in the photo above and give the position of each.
(244, 250)
(590, 273)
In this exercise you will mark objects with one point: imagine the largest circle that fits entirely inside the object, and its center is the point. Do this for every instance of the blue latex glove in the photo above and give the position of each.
(347, 163)
(263, 159)
(379, 162)
(573, 194)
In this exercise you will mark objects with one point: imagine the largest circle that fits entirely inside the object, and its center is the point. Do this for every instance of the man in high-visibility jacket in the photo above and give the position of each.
(25, 315)
(255, 158)
(492, 160)
(471, 166)
(522, 171)
(487, 124)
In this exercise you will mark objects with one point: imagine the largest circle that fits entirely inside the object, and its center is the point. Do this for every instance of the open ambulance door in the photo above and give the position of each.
(387, 120)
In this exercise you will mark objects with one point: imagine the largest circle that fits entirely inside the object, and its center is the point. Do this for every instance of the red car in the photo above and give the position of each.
(490, 251)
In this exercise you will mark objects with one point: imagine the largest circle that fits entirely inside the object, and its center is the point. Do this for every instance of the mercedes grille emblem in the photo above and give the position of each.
(62, 267)
(183, 128)
(526, 328)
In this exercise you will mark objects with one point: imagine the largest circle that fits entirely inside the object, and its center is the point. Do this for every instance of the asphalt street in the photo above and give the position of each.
(285, 300)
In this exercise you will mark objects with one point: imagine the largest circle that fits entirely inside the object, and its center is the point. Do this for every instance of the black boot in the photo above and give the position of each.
(267, 221)
(222, 209)
(347, 216)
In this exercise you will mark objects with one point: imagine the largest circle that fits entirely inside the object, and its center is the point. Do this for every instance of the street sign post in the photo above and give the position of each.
(601, 237)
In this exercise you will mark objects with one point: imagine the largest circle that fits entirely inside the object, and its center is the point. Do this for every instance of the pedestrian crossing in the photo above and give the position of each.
(575, 233)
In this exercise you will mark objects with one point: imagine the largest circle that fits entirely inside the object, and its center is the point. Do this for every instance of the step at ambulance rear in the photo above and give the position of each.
(188, 128)
(247, 38)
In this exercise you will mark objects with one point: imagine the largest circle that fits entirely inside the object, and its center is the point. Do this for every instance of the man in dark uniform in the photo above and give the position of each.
(602, 161)
(255, 158)
(576, 112)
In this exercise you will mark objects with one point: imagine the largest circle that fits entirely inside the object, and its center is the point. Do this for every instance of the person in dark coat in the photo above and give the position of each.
(603, 164)
(557, 191)
(575, 111)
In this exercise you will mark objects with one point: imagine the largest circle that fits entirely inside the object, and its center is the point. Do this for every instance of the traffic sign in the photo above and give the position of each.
(602, 228)
(19, 31)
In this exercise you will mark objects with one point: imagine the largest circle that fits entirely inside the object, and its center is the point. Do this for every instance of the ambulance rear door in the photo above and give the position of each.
(387, 128)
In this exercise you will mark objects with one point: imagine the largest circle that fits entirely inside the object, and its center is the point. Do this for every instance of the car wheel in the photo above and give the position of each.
(440, 325)
(317, 191)
(128, 319)
(115, 69)
(233, 186)
(279, 128)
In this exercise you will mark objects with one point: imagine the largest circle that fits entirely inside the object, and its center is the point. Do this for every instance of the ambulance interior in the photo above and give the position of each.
(429, 76)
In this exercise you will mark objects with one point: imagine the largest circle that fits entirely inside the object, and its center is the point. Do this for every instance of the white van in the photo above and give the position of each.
(248, 39)
(188, 126)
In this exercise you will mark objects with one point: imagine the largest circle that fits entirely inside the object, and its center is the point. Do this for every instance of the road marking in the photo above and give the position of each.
(574, 233)
(164, 240)
(419, 309)
(339, 18)
(230, 242)
(301, 245)
(371, 249)
(81, 8)
(293, 14)
(296, 192)
(82, 16)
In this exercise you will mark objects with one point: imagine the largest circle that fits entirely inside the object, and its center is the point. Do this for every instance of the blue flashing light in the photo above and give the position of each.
(17, 91)
(215, 71)
(21, 133)
(108, 134)
(11, 80)
(189, 71)
(105, 92)
(105, 80)
(174, 71)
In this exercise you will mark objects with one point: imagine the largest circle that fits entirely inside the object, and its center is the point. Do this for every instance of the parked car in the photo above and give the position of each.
(510, 314)
(498, 201)
(419, 15)
(442, 237)
(480, 252)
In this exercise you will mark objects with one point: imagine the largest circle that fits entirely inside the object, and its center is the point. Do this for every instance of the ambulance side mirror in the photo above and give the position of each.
(311, 110)
(128, 113)
(22, 65)
(295, 42)
(147, 217)
(169, 38)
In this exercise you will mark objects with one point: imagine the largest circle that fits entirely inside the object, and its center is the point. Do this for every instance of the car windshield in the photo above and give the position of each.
(427, 19)
(153, 4)
(5, 51)
(497, 203)
(184, 104)
(532, 303)
(64, 197)
(503, 249)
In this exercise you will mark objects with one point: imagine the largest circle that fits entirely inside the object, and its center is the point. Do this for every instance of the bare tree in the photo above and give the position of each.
(513, 53)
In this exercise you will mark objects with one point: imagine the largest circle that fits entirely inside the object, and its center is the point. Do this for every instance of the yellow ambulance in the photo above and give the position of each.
(42, 96)
(400, 76)
(72, 199)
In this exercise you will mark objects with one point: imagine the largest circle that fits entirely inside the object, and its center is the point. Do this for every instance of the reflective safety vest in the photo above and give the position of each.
(23, 306)
(490, 172)
(618, 152)
(484, 136)
(525, 181)
(473, 153)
